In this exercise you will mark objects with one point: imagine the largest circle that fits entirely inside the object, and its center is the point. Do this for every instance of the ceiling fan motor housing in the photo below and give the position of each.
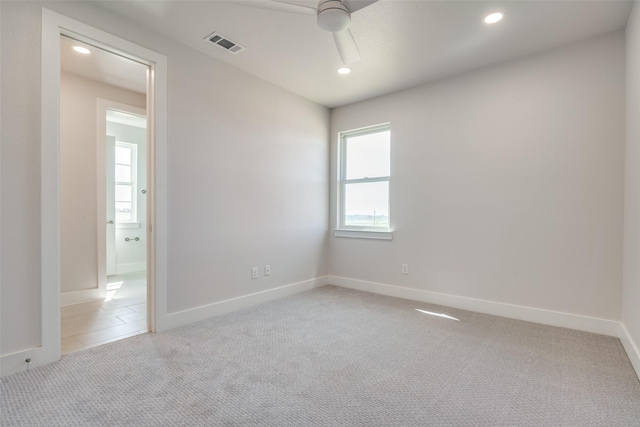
(333, 16)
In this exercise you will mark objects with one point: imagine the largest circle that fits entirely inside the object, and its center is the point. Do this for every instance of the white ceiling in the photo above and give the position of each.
(102, 66)
(403, 43)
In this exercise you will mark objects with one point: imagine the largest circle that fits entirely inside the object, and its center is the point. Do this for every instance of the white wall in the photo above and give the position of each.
(132, 255)
(631, 291)
(507, 183)
(20, 135)
(248, 174)
(248, 184)
(78, 123)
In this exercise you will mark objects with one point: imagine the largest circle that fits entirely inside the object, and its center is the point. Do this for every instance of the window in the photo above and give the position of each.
(365, 169)
(125, 182)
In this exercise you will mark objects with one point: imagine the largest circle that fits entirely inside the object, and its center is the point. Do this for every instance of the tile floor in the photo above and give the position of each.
(122, 314)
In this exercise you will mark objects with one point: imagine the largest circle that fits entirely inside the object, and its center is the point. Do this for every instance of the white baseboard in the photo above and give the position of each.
(131, 267)
(530, 314)
(186, 317)
(77, 297)
(631, 347)
(16, 362)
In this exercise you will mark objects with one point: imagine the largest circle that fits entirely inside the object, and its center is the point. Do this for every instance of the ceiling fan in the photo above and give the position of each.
(332, 15)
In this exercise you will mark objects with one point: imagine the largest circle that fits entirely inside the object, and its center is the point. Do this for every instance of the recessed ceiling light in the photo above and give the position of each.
(82, 50)
(344, 70)
(494, 17)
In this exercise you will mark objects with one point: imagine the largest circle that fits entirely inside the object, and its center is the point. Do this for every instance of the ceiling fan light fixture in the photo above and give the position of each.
(494, 17)
(344, 70)
(333, 16)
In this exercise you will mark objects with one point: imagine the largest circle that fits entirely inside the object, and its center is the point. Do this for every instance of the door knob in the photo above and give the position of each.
(110, 222)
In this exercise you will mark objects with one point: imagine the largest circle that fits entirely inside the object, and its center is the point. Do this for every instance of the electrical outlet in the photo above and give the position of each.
(267, 270)
(254, 272)
(405, 268)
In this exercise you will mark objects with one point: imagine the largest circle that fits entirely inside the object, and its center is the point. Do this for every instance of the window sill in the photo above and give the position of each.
(364, 234)
(127, 225)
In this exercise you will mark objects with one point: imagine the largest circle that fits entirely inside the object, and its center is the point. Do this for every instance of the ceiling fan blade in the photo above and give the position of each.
(347, 47)
(355, 5)
(278, 6)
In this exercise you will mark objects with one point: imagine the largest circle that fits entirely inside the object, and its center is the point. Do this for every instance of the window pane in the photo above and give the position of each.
(123, 155)
(367, 205)
(123, 193)
(123, 173)
(123, 212)
(368, 156)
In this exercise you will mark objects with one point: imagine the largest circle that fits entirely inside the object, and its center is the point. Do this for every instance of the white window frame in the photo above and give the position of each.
(133, 183)
(366, 232)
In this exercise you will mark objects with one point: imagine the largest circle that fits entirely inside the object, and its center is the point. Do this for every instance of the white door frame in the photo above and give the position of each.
(53, 26)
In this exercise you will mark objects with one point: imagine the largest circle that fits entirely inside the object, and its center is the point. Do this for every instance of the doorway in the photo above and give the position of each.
(122, 143)
(54, 25)
(103, 196)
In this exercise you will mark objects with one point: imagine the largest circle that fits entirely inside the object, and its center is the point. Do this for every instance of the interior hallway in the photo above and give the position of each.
(122, 314)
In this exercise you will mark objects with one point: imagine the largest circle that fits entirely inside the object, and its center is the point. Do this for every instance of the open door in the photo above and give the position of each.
(104, 259)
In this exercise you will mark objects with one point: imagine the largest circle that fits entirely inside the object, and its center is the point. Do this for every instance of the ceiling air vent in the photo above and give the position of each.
(224, 42)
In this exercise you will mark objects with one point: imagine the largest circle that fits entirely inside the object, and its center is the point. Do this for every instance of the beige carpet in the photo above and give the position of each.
(336, 357)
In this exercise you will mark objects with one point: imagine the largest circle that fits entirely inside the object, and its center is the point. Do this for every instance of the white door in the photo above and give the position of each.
(110, 204)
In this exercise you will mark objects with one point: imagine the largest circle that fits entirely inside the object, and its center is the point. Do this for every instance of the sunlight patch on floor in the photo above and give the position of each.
(112, 289)
(446, 316)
